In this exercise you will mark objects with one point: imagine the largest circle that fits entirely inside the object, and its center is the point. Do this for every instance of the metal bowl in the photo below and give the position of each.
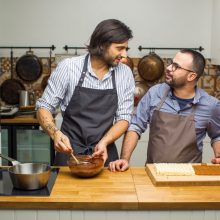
(29, 176)
(87, 167)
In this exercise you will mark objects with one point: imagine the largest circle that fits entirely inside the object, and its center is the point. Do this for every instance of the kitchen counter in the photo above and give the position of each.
(130, 190)
(21, 119)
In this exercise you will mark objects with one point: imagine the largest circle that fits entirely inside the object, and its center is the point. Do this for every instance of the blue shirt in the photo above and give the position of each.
(207, 112)
(64, 79)
(183, 102)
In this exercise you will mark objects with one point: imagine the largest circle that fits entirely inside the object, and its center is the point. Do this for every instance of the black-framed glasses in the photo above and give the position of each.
(176, 66)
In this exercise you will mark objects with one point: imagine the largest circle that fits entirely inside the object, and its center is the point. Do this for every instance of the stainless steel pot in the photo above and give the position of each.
(28, 176)
(26, 98)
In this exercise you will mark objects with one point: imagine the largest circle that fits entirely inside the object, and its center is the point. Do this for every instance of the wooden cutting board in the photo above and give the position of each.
(194, 180)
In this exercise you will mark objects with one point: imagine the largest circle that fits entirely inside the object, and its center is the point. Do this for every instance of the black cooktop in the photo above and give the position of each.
(7, 189)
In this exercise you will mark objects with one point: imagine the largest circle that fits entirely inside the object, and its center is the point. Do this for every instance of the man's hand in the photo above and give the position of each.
(100, 150)
(216, 148)
(216, 160)
(62, 143)
(118, 165)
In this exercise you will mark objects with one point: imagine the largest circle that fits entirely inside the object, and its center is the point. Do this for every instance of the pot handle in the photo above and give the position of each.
(14, 162)
(32, 98)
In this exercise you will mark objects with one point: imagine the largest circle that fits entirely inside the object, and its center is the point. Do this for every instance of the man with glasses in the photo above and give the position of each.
(178, 113)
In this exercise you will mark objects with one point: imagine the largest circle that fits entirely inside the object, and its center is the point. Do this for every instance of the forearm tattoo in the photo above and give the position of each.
(49, 125)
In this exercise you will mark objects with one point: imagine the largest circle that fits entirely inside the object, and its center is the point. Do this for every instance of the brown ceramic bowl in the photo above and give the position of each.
(87, 167)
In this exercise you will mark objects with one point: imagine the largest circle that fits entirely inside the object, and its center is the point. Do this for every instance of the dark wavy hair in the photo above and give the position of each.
(107, 32)
(198, 63)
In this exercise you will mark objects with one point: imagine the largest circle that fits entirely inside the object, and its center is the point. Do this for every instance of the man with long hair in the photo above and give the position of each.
(95, 94)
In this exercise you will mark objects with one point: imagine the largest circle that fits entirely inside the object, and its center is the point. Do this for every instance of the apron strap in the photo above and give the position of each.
(83, 71)
(162, 99)
(113, 79)
(159, 105)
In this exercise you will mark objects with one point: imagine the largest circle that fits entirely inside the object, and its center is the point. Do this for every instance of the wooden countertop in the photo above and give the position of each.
(130, 190)
(21, 119)
(173, 197)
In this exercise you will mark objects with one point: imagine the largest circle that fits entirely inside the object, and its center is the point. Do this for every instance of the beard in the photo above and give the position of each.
(111, 61)
(174, 82)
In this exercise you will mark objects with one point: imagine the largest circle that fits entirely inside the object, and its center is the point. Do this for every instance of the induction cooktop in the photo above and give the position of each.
(7, 189)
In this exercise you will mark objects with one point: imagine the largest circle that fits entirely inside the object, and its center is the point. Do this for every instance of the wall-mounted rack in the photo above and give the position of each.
(51, 48)
(168, 48)
(25, 47)
(66, 48)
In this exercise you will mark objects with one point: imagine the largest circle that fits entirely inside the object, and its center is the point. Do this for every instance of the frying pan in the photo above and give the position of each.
(9, 89)
(87, 167)
(29, 67)
(28, 176)
(151, 67)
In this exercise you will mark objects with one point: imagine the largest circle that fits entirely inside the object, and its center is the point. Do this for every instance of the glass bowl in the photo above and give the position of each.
(87, 167)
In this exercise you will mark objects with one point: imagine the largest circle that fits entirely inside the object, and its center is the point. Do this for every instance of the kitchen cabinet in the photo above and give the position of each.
(215, 38)
(25, 142)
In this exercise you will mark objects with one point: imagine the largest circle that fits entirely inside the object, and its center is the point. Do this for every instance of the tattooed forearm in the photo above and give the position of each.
(47, 121)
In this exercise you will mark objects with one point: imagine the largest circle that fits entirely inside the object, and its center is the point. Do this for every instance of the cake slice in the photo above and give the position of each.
(174, 169)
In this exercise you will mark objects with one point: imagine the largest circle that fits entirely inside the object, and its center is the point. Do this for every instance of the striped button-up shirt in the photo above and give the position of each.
(207, 112)
(64, 79)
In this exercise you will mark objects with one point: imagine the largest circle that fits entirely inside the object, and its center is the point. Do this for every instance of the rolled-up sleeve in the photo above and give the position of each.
(214, 124)
(56, 88)
(125, 96)
(141, 116)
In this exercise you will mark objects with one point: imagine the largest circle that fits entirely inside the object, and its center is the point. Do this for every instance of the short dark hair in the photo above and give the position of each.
(107, 32)
(198, 63)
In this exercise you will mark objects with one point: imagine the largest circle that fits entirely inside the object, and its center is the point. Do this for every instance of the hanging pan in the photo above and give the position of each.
(29, 67)
(151, 67)
(128, 61)
(10, 88)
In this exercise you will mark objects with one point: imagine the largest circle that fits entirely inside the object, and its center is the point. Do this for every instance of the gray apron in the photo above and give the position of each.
(87, 118)
(172, 138)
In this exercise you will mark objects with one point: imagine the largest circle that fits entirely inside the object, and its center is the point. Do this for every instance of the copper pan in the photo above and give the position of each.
(128, 61)
(151, 67)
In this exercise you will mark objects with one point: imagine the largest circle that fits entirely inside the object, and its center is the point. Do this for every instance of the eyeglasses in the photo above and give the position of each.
(176, 66)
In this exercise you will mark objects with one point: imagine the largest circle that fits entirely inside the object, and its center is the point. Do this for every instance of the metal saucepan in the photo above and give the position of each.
(151, 67)
(87, 167)
(29, 67)
(28, 176)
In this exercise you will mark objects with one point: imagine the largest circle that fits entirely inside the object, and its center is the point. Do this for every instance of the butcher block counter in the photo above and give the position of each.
(21, 119)
(130, 190)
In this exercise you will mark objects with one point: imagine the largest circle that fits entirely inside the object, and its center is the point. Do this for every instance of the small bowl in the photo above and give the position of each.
(88, 166)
